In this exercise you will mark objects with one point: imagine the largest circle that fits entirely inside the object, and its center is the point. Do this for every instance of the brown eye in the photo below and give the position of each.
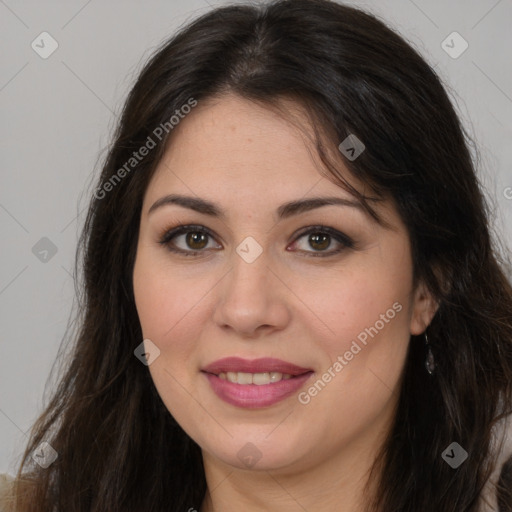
(188, 240)
(196, 240)
(319, 242)
(320, 238)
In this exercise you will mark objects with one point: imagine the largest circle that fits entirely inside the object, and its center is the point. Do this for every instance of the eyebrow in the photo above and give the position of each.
(284, 211)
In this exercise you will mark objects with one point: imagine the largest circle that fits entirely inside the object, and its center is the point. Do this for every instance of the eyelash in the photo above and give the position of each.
(344, 240)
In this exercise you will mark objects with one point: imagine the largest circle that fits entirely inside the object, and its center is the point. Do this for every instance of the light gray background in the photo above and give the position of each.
(57, 115)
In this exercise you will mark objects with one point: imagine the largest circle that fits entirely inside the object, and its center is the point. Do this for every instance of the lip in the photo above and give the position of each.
(252, 396)
(262, 365)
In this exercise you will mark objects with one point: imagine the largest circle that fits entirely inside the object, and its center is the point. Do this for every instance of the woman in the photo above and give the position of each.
(291, 299)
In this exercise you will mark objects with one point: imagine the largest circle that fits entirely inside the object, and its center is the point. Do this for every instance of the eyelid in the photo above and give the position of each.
(344, 240)
(320, 228)
(168, 234)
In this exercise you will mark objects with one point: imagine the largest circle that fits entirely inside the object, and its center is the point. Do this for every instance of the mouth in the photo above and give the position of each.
(255, 383)
(261, 371)
(259, 379)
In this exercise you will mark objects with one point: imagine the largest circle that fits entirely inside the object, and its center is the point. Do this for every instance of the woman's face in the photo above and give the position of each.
(315, 302)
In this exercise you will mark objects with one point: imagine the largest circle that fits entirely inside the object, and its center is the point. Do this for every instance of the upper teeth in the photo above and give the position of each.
(254, 378)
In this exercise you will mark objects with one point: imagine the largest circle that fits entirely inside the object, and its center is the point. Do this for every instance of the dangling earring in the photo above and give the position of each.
(430, 364)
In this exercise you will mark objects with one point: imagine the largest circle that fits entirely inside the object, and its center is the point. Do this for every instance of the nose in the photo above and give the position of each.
(252, 300)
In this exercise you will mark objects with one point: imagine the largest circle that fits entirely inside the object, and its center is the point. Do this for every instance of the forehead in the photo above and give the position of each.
(239, 145)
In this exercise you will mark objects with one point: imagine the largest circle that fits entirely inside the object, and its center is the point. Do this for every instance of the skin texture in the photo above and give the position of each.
(287, 304)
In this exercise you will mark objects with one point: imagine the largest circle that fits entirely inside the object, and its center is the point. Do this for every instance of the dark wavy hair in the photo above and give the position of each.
(119, 448)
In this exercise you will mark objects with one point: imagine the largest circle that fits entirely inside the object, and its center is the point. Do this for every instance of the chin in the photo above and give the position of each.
(257, 451)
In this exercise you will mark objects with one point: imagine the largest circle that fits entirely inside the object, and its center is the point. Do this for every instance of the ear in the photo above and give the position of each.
(424, 307)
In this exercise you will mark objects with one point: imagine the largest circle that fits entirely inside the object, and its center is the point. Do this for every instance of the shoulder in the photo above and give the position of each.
(6, 482)
(501, 449)
(7, 492)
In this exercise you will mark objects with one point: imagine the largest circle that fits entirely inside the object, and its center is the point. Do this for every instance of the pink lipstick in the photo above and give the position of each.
(255, 383)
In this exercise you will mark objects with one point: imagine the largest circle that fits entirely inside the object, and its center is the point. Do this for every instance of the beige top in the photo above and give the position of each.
(489, 501)
(5, 487)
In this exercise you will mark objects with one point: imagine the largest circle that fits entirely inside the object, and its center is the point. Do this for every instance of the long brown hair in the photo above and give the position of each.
(119, 448)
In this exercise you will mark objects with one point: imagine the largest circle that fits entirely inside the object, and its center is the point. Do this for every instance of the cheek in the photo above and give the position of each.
(171, 307)
(161, 301)
(359, 306)
(364, 348)
(364, 333)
